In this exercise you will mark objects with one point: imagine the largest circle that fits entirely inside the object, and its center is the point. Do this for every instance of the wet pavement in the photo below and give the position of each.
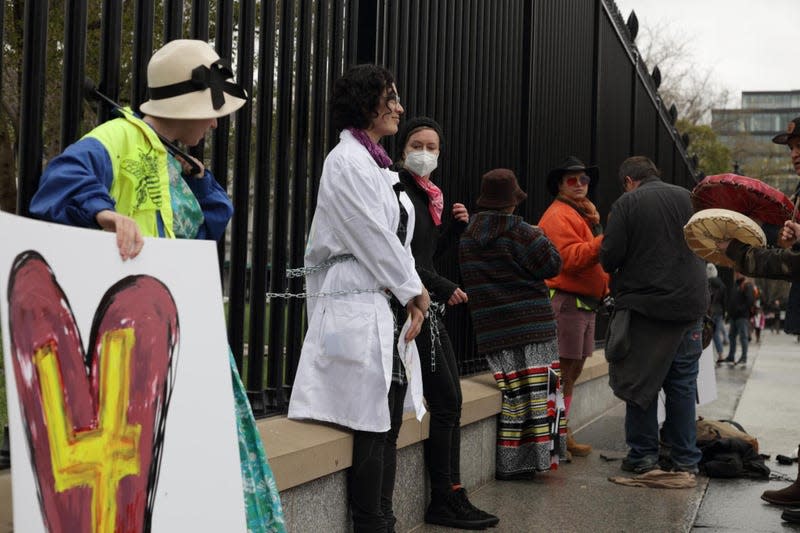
(762, 396)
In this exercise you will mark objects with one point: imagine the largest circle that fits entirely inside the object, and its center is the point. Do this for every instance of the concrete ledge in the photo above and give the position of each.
(300, 452)
(596, 366)
(314, 455)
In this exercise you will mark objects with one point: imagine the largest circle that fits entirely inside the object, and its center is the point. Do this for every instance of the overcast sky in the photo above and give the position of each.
(751, 45)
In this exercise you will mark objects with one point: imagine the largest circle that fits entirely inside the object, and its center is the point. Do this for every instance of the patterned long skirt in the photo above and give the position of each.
(261, 499)
(531, 429)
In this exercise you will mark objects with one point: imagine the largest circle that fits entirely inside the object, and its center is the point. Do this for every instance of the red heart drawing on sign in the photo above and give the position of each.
(95, 421)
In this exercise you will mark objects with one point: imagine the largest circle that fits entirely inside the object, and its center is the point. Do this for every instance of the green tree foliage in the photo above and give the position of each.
(713, 156)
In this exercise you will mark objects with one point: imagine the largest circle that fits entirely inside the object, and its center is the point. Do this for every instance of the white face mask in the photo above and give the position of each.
(421, 162)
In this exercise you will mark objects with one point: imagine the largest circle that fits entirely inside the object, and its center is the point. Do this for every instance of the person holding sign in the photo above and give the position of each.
(122, 177)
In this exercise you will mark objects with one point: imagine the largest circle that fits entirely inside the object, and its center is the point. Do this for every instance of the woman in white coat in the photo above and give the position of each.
(363, 285)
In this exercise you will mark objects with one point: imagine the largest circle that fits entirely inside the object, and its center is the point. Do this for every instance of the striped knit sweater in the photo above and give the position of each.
(504, 262)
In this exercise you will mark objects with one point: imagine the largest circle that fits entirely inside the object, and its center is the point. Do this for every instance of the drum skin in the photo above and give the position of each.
(708, 227)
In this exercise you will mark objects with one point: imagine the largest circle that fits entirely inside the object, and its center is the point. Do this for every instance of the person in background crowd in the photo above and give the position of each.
(661, 295)
(774, 264)
(740, 301)
(718, 293)
(572, 224)
(420, 143)
(778, 310)
(757, 320)
(122, 178)
(358, 261)
(504, 262)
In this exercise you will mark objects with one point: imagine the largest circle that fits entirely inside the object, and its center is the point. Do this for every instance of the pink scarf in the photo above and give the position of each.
(435, 198)
(375, 150)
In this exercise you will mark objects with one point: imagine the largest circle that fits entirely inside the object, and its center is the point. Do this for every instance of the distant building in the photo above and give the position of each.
(748, 133)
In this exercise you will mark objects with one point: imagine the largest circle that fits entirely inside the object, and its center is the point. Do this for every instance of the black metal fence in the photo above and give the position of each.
(514, 83)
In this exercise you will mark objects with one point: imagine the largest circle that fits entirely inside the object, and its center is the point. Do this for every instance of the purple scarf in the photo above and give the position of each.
(375, 150)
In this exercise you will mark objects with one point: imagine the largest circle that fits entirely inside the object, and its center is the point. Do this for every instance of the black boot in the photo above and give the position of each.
(447, 509)
(462, 494)
(791, 515)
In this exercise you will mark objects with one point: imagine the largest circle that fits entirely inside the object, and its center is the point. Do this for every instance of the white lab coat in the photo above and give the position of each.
(345, 366)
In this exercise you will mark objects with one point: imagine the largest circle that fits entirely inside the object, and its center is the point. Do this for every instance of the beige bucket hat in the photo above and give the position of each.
(187, 80)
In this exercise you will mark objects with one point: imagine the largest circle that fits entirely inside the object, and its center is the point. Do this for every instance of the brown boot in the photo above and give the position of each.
(578, 450)
(789, 496)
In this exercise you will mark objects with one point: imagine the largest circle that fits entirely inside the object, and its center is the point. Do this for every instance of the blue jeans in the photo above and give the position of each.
(740, 327)
(680, 430)
(719, 331)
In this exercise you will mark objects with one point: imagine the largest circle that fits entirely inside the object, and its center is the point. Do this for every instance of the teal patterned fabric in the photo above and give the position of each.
(261, 498)
(187, 215)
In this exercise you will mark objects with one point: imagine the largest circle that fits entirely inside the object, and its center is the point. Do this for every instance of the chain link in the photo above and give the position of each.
(301, 272)
(435, 311)
(306, 295)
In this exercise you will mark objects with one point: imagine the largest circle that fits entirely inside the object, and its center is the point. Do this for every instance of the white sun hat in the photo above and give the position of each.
(187, 80)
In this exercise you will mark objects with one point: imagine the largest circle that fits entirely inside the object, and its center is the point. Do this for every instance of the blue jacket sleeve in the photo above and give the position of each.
(215, 203)
(74, 186)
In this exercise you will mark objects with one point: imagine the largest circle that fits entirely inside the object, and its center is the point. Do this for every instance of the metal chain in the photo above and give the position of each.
(301, 272)
(435, 311)
(305, 271)
(306, 295)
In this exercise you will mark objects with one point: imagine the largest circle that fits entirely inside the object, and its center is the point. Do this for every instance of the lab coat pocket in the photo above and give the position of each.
(348, 332)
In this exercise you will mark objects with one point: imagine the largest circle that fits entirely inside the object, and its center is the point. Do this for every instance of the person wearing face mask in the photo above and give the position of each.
(572, 224)
(420, 144)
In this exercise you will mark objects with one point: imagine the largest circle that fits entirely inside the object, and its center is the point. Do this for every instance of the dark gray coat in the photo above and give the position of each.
(652, 269)
(658, 279)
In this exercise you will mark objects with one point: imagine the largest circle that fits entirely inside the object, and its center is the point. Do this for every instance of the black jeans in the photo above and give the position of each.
(442, 388)
(371, 477)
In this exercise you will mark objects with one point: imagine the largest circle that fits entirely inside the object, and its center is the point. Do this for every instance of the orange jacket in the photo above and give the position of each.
(569, 232)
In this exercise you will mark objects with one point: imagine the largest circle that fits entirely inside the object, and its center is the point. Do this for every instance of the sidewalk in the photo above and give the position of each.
(768, 408)
(579, 498)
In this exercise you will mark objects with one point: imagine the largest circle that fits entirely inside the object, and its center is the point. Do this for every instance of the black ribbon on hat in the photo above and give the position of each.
(214, 77)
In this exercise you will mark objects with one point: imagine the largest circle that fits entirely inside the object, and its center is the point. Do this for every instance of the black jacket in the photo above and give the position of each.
(429, 240)
(741, 300)
(719, 296)
(652, 269)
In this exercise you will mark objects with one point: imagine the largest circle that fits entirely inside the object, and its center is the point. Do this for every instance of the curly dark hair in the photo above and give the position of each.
(357, 94)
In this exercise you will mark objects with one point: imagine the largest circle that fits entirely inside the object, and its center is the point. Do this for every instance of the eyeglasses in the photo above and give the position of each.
(393, 98)
(572, 181)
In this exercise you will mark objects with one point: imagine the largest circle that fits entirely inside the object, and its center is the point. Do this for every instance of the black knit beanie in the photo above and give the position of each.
(414, 124)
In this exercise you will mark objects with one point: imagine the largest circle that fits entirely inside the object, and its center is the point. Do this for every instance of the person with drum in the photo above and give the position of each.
(773, 263)
(572, 223)
(661, 295)
(791, 138)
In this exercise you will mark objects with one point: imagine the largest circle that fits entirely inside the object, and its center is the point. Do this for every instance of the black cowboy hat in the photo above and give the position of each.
(793, 130)
(570, 164)
(500, 189)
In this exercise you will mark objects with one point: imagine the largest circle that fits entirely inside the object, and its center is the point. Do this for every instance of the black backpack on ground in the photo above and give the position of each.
(731, 457)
